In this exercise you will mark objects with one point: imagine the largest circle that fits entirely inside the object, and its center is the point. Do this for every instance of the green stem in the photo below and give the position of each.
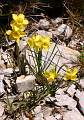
(39, 61)
(16, 54)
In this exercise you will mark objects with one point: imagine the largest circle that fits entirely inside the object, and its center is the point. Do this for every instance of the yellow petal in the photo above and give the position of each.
(75, 71)
(14, 16)
(21, 16)
(74, 77)
(15, 28)
(25, 22)
(8, 32)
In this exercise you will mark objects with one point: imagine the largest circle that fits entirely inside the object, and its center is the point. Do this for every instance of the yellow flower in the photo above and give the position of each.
(39, 42)
(71, 74)
(51, 75)
(16, 27)
(20, 19)
(8, 32)
(46, 42)
(15, 35)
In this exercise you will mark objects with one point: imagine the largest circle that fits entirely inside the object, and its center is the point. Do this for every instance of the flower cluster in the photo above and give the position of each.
(51, 75)
(39, 42)
(70, 74)
(18, 25)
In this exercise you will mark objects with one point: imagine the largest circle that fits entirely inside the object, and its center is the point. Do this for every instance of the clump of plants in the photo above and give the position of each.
(48, 77)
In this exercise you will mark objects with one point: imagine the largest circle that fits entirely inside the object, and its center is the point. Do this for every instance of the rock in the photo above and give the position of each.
(23, 43)
(65, 30)
(1, 109)
(68, 32)
(58, 117)
(23, 117)
(43, 23)
(50, 118)
(2, 91)
(1, 76)
(43, 32)
(47, 111)
(8, 71)
(50, 99)
(61, 91)
(25, 83)
(38, 118)
(65, 100)
(80, 96)
(57, 20)
(71, 90)
(82, 82)
(38, 113)
(81, 104)
(73, 115)
(61, 29)
(3, 117)
(37, 110)
(62, 55)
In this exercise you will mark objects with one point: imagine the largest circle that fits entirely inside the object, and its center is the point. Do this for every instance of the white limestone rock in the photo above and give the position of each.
(25, 83)
(58, 117)
(43, 23)
(50, 118)
(71, 90)
(65, 30)
(61, 29)
(43, 32)
(37, 110)
(57, 20)
(73, 115)
(38, 118)
(65, 100)
(47, 111)
(8, 71)
(82, 82)
(2, 91)
(38, 113)
(62, 55)
(68, 32)
(80, 96)
(23, 43)
(61, 91)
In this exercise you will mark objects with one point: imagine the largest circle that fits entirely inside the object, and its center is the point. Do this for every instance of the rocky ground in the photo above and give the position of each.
(68, 103)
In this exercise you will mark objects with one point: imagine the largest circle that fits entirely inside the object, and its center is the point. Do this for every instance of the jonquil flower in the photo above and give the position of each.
(18, 25)
(71, 74)
(19, 19)
(51, 75)
(39, 42)
(15, 35)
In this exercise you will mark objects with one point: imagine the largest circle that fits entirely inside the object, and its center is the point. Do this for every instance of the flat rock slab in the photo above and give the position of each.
(25, 83)
(82, 82)
(61, 55)
(80, 96)
(73, 115)
(65, 100)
